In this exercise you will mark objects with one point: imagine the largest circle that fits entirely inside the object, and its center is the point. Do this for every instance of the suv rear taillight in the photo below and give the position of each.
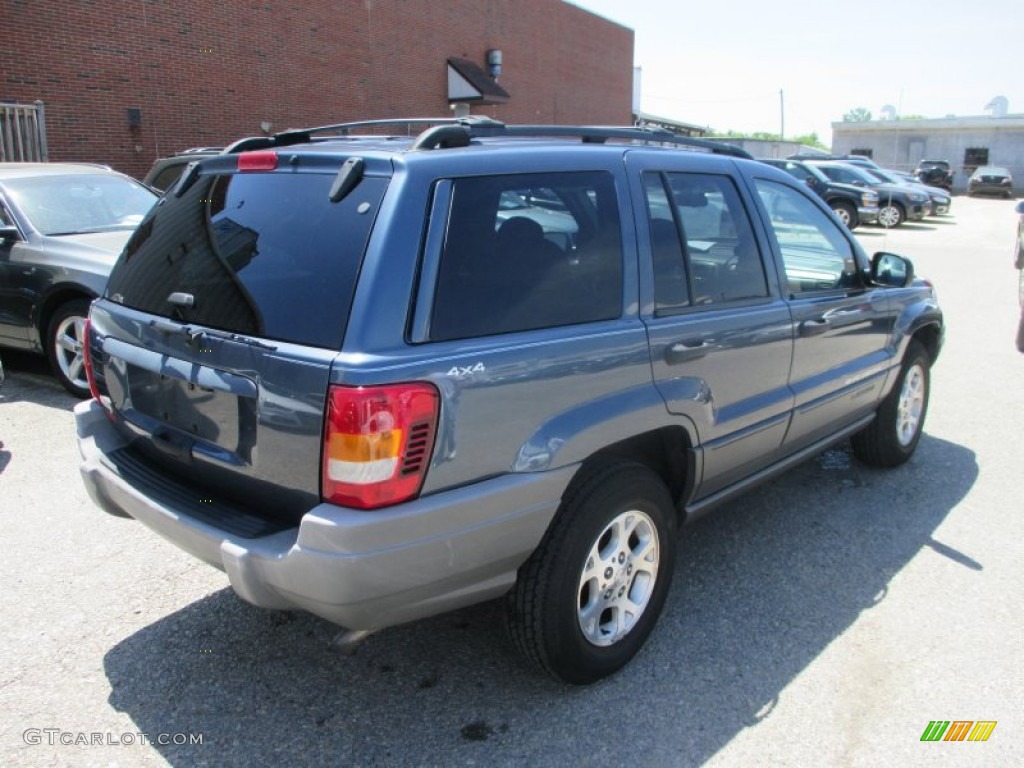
(377, 443)
(90, 374)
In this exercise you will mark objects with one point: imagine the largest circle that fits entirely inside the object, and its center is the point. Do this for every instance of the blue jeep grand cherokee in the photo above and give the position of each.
(380, 377)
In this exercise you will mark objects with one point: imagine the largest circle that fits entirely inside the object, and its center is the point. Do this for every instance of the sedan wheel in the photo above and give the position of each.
(66, 346)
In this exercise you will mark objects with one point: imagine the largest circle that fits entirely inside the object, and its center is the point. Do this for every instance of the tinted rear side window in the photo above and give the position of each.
(262, 254)
(528, 251)
(167, 176)
(719, 259)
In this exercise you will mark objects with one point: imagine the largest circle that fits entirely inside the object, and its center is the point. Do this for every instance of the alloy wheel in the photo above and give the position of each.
(69, 340)
(618, 578)
(911, 405)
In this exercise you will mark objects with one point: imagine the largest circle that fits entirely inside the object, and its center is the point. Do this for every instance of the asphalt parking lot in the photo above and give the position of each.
(824, 619)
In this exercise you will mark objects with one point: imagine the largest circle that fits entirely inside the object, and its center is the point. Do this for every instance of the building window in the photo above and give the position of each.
(864, 152)
(975, 156)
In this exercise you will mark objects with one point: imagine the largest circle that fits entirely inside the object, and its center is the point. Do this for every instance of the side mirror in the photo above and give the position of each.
(1020, 207)
(9, 233)
(890, 270)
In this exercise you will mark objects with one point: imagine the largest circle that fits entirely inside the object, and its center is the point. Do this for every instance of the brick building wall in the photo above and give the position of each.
(204, 72)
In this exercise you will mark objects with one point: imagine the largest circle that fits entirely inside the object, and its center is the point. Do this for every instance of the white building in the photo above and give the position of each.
(964, 142)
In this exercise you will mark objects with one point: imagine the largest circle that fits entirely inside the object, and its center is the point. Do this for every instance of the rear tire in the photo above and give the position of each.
(894, 434)
(589, 596)
(65, 340)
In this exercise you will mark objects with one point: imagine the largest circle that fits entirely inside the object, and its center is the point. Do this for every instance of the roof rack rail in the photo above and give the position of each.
(460, 132)
(447, 132)
(600, 134)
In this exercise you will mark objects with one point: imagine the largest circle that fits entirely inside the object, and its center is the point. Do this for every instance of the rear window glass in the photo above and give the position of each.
(266, 255)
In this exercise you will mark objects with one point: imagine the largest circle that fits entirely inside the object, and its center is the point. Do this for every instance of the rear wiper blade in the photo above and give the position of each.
(196, 334)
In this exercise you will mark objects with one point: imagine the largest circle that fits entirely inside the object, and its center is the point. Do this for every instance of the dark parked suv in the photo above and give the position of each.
(935, 173)
(378, 378)
(166, 170)
(852, 204)
(897, 202)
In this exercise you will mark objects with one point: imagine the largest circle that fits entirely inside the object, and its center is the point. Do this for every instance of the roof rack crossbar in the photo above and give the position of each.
(407, 121)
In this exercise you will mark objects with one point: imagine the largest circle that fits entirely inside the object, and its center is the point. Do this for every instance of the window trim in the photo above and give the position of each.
(694, 306)
(429, 268)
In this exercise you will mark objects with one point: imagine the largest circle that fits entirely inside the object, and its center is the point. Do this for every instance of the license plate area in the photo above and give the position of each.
(202, 412)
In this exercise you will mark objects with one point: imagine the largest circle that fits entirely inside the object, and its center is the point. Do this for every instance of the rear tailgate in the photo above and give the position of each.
(213, 346)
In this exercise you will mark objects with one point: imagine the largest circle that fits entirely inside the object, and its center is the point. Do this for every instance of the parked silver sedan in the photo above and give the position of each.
(62, 225)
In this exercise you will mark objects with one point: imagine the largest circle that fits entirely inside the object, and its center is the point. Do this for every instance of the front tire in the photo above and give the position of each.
(589, 596)
(65, 346)
(894, 434)
(846, 213)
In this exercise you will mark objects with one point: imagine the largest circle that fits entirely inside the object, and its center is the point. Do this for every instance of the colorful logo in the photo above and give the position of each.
(959, 730)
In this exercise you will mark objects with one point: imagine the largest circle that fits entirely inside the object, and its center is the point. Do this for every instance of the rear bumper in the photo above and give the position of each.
(362, 570)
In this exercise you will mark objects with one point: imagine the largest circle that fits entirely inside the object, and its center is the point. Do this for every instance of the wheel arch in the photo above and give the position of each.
(920, 321)
(55, 299)
(929, 336)
(838, 201)
(666, 451)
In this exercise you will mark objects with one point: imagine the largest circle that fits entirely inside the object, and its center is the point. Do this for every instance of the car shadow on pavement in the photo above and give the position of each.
(917, 226)
(762, 587)
(29, 380)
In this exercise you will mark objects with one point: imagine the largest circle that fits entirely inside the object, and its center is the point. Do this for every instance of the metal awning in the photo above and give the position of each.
(469, 83)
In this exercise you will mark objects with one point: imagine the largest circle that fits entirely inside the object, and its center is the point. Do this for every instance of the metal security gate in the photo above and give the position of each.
(23, 133)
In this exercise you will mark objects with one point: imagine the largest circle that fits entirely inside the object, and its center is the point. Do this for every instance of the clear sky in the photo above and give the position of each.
(722, 63)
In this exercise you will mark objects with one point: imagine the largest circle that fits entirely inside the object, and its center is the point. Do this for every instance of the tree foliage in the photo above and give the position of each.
(857, 115)
(807, 139)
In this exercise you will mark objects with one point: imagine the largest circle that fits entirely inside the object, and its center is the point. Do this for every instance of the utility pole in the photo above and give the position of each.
(782, 115)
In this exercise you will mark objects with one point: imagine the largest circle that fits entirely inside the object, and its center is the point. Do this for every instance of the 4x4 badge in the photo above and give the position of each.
(461, 372)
